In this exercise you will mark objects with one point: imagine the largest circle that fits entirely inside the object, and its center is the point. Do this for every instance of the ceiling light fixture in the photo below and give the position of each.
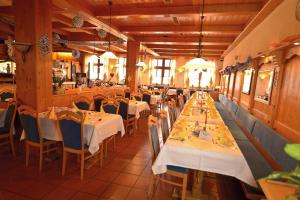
(109, 54)
(198, 60)
(296, 43)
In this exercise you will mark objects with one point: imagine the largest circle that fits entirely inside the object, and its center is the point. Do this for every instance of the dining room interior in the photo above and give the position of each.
(140, 99)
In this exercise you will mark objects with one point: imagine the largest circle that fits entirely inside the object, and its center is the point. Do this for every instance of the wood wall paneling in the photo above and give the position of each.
(287, 119)
(238, 86)
(33, 20)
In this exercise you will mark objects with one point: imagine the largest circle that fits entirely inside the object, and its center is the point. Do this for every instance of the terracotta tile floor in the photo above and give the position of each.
(125, 175)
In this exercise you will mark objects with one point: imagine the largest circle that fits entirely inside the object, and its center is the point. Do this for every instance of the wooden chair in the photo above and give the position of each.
(172, 112)
(98, 99)
(128, 95)
(164, 126)
(178, 172)
(71, 128)
(137, 97)
(180, 102)
(146, 96)
(110, 106)
(129, 120)
(6, 93)
(82, 103)
(33, 134)
(6, 132)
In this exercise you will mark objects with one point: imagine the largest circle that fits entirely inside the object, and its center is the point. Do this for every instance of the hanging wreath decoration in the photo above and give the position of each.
(44, 45)
(77, 21)
(102, 33)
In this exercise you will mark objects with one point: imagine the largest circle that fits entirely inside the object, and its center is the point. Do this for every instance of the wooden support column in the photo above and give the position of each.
(256, 67)
(133, 48)
(33, 19)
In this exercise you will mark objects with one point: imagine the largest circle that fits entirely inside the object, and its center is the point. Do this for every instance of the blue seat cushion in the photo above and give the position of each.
(252, 190)
(246, 119)
(274, 144)
(232, 107)
(236, 132)
(258, 165)
(177, 169)
(226, 115)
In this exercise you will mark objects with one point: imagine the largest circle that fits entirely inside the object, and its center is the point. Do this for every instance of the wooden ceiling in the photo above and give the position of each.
(165, 27)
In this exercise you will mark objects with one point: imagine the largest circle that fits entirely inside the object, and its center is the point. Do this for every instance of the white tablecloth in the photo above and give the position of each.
(95, 131)
(135, 107)
(155, 99)
(208, 155)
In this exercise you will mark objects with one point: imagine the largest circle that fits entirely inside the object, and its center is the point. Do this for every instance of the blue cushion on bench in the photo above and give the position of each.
(258, 165)
(232, 107)
(274, 144)
(221, 96)
(236, 132)
(246, 119)
(177, 169)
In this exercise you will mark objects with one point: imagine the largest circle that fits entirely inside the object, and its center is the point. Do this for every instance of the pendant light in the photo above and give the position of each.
(198, 60)
(109, 54)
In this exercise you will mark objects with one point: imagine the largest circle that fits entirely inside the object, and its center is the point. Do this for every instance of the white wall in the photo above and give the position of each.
(279, 25)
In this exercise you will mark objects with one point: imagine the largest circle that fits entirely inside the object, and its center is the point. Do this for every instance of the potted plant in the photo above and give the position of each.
(284, 185)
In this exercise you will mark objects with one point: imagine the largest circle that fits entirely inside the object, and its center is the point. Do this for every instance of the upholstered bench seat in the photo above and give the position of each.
(274, 144)
(235, 130)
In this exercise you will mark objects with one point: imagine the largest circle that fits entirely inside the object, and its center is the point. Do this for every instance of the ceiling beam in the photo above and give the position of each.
(183, 46)
(212, 9)
(186, 40)
(234, 29)
(194, 51)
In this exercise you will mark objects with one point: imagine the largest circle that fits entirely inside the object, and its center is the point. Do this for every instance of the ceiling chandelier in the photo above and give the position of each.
(198, 60)
(109, 54)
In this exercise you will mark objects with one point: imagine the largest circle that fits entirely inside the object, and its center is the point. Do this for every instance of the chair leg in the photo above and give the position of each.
(41, 158)
(184, 185)
(11, 139)
(65, 157)
(82, 166)
(27, 153)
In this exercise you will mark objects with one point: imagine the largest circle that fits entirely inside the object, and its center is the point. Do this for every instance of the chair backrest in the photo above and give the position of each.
(10, 115)
(110, 106)
(172, 112)
(123, 107)
(6, 94)
(154, 140)
(164, 127)
(98, 101)
(146, 97)
(83, 103)
(30, 123)
(192, 92)
(179, 92)
(71, 128)
(181, 102)
(137, 97)
(127, 95)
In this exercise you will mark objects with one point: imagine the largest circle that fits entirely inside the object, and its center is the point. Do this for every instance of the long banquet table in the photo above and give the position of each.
(216, 151)
(97, 127)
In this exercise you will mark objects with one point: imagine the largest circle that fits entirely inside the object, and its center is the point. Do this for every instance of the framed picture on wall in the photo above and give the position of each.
(247, 81)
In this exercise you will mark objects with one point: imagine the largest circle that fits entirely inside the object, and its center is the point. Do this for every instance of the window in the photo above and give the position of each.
(96, 68)
(206, 75)
(122, 69)
(162, 71)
